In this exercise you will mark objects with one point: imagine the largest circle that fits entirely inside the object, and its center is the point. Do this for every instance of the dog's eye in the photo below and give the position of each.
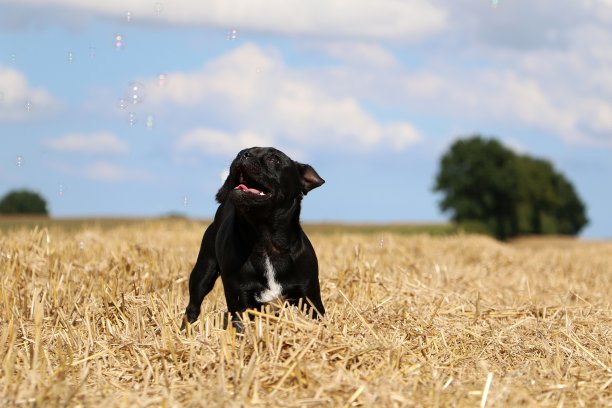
(274, 160)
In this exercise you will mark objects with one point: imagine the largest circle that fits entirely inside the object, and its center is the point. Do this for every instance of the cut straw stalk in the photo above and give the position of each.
(485, 392)
(363, 320)
(588, 353)
(294, 363)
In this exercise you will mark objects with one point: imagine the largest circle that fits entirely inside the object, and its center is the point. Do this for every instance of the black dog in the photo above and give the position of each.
(256, 242)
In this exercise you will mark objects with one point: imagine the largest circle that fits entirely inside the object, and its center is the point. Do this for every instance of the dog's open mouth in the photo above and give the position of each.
(250, 186)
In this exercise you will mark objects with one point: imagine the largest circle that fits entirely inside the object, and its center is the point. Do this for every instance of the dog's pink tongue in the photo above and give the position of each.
(245, 188)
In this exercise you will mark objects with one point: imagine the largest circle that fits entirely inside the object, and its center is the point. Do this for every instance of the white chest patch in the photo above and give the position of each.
(274, 288)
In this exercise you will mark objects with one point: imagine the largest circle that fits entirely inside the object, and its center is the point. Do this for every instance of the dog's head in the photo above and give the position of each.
(265, 177)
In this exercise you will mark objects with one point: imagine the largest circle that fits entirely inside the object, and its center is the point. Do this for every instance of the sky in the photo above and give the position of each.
(137, 107)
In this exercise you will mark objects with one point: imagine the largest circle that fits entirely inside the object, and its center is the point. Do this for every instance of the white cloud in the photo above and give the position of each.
(401, 135)
(564, 93)
(110, 172)
(93, 143)
(215, 142)
(541, 66)
(359, 52)
(235, 79)
(522, 24)
(510, 97)
(19, 100)
(383, 19)
(262, 98)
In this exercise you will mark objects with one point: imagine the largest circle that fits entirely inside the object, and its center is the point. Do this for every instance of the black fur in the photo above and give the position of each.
(257, 227)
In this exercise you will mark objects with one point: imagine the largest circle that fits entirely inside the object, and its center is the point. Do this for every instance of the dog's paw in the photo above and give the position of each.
(190, 316)
(184, 323)
(238, 326)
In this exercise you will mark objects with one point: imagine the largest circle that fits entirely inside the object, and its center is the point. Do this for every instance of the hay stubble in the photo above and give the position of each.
(91, 318)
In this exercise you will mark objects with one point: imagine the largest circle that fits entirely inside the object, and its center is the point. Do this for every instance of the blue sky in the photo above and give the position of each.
(370, 93)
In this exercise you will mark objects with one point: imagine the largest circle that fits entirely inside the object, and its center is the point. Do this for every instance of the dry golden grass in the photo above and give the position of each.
(412, 321)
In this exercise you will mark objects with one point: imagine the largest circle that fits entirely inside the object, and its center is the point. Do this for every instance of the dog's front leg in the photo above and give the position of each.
(203, 276)
(238, 302)
(313, 293)
(308, 299)
(309, 304)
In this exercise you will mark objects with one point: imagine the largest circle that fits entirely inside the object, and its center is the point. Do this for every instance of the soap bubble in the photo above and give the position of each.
(28, 106)
(135, 93)
(159, 7)
(119, 42)
(122, 104)
(233, 34)
(161, 80)
(494, 3)
(149, 122)
(128, 16)
(13, 57)
(70, 57)
(92, 52)
(81, 245)
(19, 161)
(60, 189)
(185, 201)
(131, 118)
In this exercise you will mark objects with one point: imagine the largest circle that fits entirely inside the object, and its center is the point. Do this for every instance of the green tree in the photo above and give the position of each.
(569, 211)
(549, 203)
(537, 196)
(479, 182)
(23, 202)
(489, 188)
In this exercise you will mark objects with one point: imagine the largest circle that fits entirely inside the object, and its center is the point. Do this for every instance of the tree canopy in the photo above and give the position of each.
(23, 202)
(488, 187)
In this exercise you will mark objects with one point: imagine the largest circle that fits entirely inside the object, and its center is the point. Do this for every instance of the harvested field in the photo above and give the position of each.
(91, 317)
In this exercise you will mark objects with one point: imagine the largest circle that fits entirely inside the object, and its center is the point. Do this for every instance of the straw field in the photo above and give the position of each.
(91, 317)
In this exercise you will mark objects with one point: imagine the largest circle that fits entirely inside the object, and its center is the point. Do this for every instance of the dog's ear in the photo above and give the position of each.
(309, 177)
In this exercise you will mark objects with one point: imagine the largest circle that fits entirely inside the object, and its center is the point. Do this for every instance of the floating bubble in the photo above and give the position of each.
(13, 57)
(28, 106)
(185, 201)
(122, 104)
(135, 93)
(60, 189)
(159, 7)
(81, 245)
(131, 118)
(128, 16)
(119, 42)
(19, 161)
(92, 52)
(161, 80)
(149, 122)
(494, 3)
(70, 57)
(233, 34)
